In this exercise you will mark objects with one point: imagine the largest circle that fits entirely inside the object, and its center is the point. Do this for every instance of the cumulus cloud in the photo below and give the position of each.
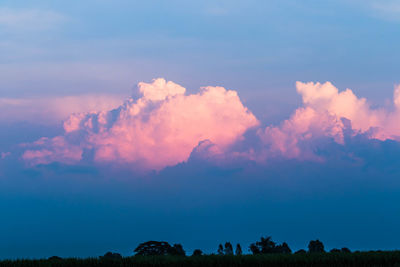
(159, 129)
(328, 113)
(165, 126)
(327, 117)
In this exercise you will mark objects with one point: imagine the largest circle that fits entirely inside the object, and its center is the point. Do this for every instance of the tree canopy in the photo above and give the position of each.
(157, 248)
(266, 246)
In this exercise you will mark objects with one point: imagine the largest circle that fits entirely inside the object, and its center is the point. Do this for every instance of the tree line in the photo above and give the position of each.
(264, 246)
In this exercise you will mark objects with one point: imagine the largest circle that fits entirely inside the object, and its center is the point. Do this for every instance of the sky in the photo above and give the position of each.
(198, 123)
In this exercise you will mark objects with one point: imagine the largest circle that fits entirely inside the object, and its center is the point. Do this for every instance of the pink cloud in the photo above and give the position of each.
(304, 125)
(3, 155)
(54, 149)
(323, 109)
(165, 126)
(159, 129)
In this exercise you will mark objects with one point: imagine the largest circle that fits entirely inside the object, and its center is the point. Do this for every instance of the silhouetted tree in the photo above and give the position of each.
(254, 249)
(112, 256)
(197, 252)
(335, 250)
(345, 250)
(316, 246)
(238, 250)
(284, 248)
(153, 248)
(177, 250)
(228, 249)
(300, 251)
(220, 250)
(264, 246)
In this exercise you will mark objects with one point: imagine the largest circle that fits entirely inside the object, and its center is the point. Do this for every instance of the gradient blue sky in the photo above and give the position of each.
(53, 49)
(259, 48)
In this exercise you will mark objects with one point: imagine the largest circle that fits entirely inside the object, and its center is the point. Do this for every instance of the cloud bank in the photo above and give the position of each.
(165, 127)
(159, 129)
(328, 113)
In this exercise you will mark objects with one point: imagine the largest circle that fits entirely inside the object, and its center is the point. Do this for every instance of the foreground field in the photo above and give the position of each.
(318, 259)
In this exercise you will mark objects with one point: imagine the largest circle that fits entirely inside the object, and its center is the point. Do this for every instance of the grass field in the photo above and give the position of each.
(391, 258)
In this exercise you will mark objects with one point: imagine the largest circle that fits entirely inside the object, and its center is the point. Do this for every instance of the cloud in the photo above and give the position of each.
(328, 113)
(165, 127)
(159, 129)
(50, 110)
(3, 155)
(29, 19)
(327, 117)
(59, 151)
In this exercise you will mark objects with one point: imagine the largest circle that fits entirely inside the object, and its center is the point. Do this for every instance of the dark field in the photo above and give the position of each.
(310, 259)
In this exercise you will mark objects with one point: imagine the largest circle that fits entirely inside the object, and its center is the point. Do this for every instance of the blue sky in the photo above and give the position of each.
(259, 48)
(58, 58)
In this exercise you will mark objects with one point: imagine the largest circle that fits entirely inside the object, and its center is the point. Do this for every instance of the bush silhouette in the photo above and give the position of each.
(300, 251)
(345, 250)
(111, 255)
(316, 246)
(197, 252)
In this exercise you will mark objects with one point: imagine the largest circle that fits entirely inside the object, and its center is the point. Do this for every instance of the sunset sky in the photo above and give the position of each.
(198, 122)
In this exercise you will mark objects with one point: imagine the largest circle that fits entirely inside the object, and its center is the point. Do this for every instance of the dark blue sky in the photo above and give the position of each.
(83, 211)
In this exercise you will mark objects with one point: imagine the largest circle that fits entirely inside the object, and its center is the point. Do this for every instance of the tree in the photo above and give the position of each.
(238, 250)
(265, 245)
(220, 250)
(284, 248)
(300, 251)
(345, 250)
(177, 250)
(316, 246)
(153, 248)
(254, 249)
(197, 252)
(228, 249)
(335, 250)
